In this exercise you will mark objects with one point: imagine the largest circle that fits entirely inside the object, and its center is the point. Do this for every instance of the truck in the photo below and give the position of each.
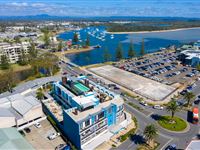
(195, 112)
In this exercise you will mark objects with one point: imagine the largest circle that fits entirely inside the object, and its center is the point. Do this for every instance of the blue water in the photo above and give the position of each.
(153, 42)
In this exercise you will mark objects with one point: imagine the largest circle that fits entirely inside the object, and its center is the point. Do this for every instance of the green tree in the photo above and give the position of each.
(17, 39)
(131, 52)
(119, 52)
(172, 107)
(46, 36)
(106, 55)
(60, 46)
(39, 94)
(8, 81)
(75, 38)
(33, 52)
(4, 62)
(23, 59)
(87, 42)
(150, 132)
(189, 96)
(142, 51)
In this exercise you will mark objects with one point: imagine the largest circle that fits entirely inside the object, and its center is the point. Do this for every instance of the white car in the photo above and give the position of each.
(143, 103)
(52, 136)
(37, 125)
(158, 107)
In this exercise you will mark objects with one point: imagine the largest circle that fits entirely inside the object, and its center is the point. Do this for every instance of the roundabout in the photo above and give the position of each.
(176, 124)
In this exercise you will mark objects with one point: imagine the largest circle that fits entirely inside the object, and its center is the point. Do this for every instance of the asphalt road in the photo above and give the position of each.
(144, 117)
(147, 116)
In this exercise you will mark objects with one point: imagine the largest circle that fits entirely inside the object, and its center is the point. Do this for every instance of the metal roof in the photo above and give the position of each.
(13, 140)
(4, 112)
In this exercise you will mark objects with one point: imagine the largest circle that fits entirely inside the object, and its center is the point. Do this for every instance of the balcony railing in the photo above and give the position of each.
(101, 119)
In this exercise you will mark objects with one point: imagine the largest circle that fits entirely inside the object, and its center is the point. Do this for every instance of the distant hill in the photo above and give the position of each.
(98, 18)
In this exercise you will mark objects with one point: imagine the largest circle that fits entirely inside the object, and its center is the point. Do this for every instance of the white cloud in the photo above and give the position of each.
(23, 4)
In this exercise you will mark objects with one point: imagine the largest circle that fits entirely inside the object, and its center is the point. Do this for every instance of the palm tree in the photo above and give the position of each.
(189, 96)
(150, 132)
(39, 94)
(172, 107)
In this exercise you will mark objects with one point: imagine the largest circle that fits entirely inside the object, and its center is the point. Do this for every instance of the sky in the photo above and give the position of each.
(171, 8)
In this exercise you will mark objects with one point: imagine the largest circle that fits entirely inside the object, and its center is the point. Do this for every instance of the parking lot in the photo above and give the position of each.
(162, 67)
(38, 137)
(143, 86)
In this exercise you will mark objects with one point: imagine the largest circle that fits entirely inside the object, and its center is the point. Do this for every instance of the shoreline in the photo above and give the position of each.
(157, 31)
(73, 51)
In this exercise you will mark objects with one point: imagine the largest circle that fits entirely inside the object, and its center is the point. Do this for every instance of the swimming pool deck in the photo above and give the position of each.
(81, 87)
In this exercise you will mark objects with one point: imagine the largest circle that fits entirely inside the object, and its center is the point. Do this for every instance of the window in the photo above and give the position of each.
(101, 115)
(87, 123)
(110, 110)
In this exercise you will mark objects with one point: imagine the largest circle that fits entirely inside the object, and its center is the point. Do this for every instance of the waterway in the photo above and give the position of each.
(98, 35)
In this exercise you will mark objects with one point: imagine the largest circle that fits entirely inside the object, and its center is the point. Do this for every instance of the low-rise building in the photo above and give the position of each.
(11, 139)
(85, 111)
(197, 45)
(14, 51)
(190, 57)
(20, 111)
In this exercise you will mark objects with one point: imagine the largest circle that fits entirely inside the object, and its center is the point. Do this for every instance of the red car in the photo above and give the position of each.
(195, 112)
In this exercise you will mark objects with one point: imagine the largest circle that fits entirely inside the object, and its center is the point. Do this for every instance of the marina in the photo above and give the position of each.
(98, 36)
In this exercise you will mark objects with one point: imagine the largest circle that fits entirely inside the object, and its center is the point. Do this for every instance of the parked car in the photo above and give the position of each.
(22, 133)
(181, 102)
(116, 88)
(171, 147)
(60, 147)
(37, 125)
(27, 130)
(197, 101)
(143, 103)
(158, 107)
(52, 136)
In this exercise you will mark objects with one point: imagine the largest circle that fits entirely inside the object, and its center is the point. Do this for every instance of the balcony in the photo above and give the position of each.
(95, 129)
(101, 119)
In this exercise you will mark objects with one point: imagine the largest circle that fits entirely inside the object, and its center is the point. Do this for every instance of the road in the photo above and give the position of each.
(144, 117)
(147, 116)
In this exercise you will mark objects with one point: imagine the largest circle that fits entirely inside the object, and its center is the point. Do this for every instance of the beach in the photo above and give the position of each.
(158, 31)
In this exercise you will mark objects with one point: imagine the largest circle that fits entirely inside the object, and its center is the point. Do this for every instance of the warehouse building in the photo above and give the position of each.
(20, 111)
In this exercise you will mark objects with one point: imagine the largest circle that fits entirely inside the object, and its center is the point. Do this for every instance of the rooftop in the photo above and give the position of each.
(191, 53)
(194, 145)
(83, 114)
(17, 105)
(11, 139)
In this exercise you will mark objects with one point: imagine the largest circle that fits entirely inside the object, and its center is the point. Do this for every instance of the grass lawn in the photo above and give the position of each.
(17, 68)
(178, 124)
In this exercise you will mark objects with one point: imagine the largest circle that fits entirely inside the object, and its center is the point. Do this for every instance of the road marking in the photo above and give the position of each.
(150, 114)
(166, 144)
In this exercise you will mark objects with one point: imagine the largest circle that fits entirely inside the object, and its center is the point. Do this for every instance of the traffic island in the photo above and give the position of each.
(173, 124)
(147, 147)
